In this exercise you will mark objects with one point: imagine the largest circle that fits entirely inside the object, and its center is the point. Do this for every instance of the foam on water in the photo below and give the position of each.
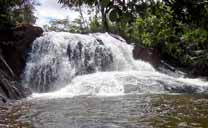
(66, 65)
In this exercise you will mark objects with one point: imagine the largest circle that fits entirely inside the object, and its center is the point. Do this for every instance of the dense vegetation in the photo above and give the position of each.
(13, 12)
(178, 28)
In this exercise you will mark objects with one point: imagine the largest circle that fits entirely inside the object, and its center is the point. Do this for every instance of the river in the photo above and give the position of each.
(92, 81)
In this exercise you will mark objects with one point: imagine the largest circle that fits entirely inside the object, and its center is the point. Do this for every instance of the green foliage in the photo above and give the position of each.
(190, 11)
(114, 15)
(116, 9)
(5, 19)
(178, 28)
(15, 11)
(159, 29)
(154, 29)
(105, 3)
(64, 25)
(198, 35)
(95, 25)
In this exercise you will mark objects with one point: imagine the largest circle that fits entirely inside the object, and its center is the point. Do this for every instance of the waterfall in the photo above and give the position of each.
(95, 64)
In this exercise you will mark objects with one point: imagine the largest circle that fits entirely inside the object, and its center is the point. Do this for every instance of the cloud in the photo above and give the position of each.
(50, 9)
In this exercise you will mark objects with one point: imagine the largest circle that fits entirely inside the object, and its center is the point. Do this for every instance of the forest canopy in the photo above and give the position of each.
(177, 28)
(13, 12)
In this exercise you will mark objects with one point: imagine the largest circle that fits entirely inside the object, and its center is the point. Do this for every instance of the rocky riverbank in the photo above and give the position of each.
(154, 56)
(14, 47)
(11, 115)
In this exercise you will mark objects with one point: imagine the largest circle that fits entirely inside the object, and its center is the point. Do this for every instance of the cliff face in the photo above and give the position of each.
(14, 48)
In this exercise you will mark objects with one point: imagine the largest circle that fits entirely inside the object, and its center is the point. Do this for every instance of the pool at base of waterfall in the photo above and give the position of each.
(93, 81)
(129, 111)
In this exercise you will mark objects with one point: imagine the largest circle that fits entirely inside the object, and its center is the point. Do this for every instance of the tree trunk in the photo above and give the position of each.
(104, 19)
(7, 66)
(82, 18)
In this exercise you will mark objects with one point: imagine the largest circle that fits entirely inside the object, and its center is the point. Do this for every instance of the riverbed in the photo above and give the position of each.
(128, 111)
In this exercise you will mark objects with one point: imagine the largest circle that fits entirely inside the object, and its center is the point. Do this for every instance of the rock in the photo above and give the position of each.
(14, 48)
(170, 70)
(199, 69)
(147, 54)
(183, 125)
(3, 99)
(12, 115)
(20, 44)
(9, 88)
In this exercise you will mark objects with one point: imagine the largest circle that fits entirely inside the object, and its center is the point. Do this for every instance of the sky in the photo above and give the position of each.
(50, 9)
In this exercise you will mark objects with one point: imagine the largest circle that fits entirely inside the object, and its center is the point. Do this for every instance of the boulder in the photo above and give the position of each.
(199, 70)
(147, 54)
(14, 47)
(17, 44)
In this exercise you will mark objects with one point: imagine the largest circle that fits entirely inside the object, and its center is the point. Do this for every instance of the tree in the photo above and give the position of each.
(5, 12)
(16, 11)
(78, 5)
(64, 25)
(193, 12)
(105, 7)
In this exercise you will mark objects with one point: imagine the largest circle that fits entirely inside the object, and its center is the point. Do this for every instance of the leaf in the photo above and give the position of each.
(105, 3)
(114, 15)
(126, 17)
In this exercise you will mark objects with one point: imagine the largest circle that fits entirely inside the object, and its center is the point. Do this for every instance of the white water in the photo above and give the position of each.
(66, 65)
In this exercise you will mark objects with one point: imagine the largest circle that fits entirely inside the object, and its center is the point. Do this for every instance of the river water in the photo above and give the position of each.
(92, 81)
(130, 111)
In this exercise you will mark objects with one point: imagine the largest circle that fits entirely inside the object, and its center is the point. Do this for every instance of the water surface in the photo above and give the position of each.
(129, 111)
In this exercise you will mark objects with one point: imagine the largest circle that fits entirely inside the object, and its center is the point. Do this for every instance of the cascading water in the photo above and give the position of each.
(95, 64)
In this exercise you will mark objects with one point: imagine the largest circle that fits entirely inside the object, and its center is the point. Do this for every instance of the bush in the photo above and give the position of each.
(198, 35)
(15, 11)
(176, 40)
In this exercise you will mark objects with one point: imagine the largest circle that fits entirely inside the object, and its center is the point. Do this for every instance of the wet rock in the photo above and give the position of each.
(89, 58)
(12, 115)
(183, 125)
(170, 70)
(43, 77)
(147, 54)
(181, 89)
(100, 41)
(199, 69)
(14, 48)
(16, 44)
(3, 99)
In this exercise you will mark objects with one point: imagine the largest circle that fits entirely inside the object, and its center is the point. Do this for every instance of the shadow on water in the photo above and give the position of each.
(130, 111)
